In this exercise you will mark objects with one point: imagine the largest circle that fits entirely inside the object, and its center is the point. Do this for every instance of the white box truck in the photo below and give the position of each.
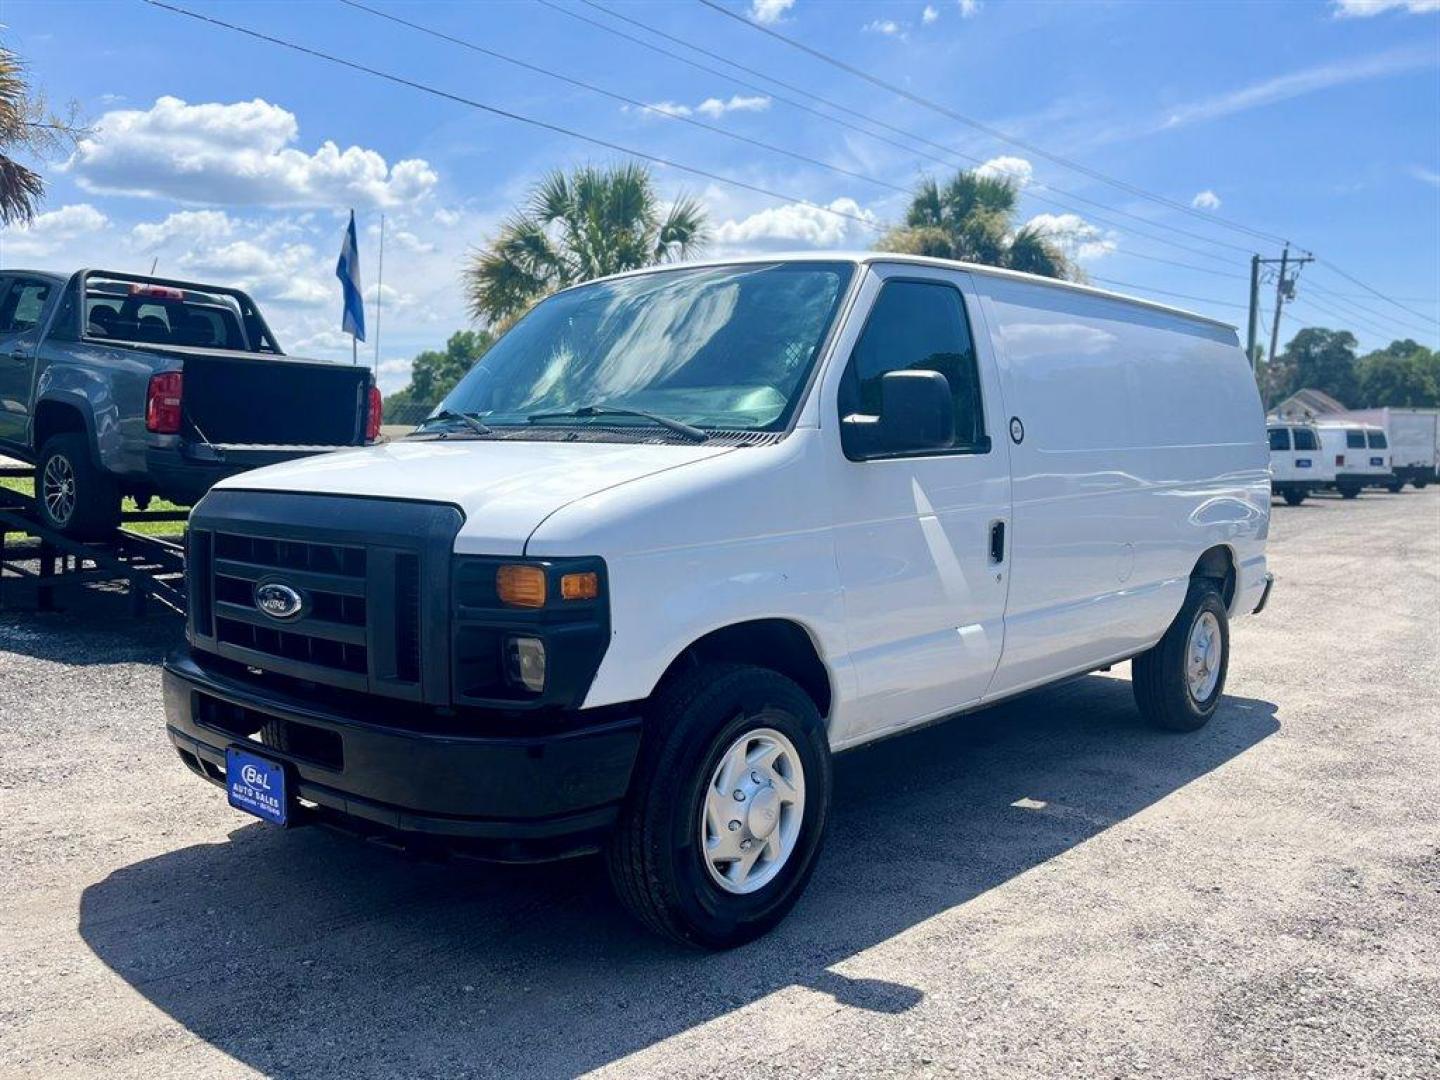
(683, 534)
(1414, 436)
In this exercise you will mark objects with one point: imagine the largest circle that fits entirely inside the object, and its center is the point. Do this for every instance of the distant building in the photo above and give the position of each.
(1307, 404)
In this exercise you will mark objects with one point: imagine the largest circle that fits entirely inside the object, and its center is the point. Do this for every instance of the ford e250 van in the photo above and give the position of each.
(683, 534)
(1298, 465)
(1361, 454)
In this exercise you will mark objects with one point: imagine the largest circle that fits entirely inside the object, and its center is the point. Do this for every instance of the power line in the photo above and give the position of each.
(951, 155)
(1166, 292)
(506, 113)
(1350, 305)
(632, 102)
(994, 133)
(1376, 292)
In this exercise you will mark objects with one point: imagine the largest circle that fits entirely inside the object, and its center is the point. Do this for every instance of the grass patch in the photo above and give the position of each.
(146, 528)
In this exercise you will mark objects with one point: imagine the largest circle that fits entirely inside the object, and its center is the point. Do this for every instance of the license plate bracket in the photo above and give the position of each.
(257, 785)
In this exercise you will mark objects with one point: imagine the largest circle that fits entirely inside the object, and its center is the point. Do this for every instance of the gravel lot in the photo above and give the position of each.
(1047, 888)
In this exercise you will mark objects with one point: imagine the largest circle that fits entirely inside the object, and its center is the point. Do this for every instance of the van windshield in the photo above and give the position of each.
(726, 347)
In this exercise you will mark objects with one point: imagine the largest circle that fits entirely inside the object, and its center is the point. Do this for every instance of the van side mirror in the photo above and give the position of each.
(917, 414)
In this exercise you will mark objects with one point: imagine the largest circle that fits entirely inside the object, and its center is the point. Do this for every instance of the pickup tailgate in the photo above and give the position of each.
(241, 400)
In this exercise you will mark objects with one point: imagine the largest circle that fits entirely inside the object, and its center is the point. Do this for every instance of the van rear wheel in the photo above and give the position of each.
(1348, 492)
(1179, 682)
(727, 808)
(1294, 496)
(72, 493)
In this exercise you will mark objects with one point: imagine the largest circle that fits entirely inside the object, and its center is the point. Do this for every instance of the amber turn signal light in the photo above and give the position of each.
(521, 586)
(584, 586)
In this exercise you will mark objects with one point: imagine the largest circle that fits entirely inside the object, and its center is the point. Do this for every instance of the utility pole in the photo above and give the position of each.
(1279, 302)
(1254, 315)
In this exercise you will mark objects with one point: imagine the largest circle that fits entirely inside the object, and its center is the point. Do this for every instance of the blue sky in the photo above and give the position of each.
(221, 157)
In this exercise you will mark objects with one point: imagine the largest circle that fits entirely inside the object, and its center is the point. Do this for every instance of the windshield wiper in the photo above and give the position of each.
(690, 432)
(470, 420)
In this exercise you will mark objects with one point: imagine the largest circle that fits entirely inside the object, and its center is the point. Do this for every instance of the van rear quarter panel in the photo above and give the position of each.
(1143, 445)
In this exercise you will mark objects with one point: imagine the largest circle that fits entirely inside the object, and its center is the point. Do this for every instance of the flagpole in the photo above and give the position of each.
(379, 296)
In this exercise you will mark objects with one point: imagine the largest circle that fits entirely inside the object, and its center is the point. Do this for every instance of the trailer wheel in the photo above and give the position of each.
(727, 808)
(72, 493)
(1294, 496)
(1178, 683)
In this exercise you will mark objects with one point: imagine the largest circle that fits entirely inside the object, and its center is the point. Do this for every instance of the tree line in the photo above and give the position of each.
(1404, 373)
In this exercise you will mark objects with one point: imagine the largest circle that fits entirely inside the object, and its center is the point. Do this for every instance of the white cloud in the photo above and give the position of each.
(716, 107)
(929, 15)
(1016, 169)
(769, 11)
(189, 226)
(796, 225)
(888, 27)
(51, 231)
(1427, 176)
(1349, 9)
(671, 108)
(1073, 235)
(1298, 83)
(1206, 200)
(236, 154)
(969, 8)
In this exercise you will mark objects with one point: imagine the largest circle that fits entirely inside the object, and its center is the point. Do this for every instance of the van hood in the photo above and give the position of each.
(504, 488)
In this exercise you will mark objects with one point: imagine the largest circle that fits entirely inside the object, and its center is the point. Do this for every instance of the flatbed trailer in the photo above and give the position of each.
(149, 567)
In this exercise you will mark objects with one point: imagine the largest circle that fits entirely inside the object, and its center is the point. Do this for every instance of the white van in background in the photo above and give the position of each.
(1361, 455)
(1298, 466)
(1414, 436)
(682, 534)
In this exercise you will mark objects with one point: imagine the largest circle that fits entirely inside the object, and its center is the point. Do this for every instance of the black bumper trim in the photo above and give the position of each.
(541, 788)
(1264, 594)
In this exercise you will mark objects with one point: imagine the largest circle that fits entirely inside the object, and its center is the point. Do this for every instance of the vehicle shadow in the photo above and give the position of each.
(305, 952)
(95, 628)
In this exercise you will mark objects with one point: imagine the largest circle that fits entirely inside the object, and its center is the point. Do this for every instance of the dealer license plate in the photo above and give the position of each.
(256, 785)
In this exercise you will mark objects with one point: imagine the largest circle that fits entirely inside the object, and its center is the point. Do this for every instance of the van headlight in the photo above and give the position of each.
(526, 633)
(525, 663)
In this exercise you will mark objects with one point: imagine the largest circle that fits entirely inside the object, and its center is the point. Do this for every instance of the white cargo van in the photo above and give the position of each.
(1414, 437)
(682, 534)
(1361, 455)
(1297, 464)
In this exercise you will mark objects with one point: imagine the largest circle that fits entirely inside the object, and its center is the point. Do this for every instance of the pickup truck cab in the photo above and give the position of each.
(1361, 454)
(117, 384)
(683, 534)
(1297, 464)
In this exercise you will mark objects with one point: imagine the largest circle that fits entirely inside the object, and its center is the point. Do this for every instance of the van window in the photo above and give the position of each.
(1355, 440)
(917, 326)
(1279, 438)
(1305, 439)
(1377, 440)
(23, 305)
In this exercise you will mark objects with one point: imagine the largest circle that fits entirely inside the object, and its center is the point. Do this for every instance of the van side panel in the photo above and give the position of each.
(1140, 443)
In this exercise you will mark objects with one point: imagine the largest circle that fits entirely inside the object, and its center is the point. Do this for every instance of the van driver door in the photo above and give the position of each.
(922, 539)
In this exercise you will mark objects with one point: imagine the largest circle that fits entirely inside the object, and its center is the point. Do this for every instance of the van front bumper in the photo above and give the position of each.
(508, 798)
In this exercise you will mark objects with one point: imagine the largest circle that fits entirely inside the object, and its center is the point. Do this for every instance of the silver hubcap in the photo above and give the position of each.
(57, 488)
(1202, 658)
(751, 816)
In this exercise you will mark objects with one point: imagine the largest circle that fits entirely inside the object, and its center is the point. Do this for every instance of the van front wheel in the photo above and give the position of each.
(727, 809)
(1178, 683)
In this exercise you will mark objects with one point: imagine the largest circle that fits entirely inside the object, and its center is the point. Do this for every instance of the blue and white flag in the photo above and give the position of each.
(352, 320)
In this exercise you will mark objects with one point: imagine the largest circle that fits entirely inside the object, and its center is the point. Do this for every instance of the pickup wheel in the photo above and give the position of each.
(1178, 683)
(72, 493)
(727, 808)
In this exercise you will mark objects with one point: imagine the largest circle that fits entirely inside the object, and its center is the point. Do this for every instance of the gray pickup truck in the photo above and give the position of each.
(117, 384)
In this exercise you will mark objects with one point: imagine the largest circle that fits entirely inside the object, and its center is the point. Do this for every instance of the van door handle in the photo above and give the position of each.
(997, 541)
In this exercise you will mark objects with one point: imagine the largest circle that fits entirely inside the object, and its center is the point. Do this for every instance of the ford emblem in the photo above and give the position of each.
(277, 600)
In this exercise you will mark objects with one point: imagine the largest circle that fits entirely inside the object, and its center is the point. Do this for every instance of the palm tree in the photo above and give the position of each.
(970, 219)
(578, 226)
(20, 188)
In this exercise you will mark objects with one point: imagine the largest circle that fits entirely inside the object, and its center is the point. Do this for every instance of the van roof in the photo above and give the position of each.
(867, 257)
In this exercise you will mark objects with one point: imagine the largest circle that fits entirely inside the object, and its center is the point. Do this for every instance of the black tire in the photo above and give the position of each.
(1160, 677)
(1293, 497)
(1420, 485)
(1348, 492)
(654, 857)
(92, 509)
(1394, 486)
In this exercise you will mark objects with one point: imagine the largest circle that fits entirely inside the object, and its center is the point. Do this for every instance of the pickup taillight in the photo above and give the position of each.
(162, 403)
(374, 415)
